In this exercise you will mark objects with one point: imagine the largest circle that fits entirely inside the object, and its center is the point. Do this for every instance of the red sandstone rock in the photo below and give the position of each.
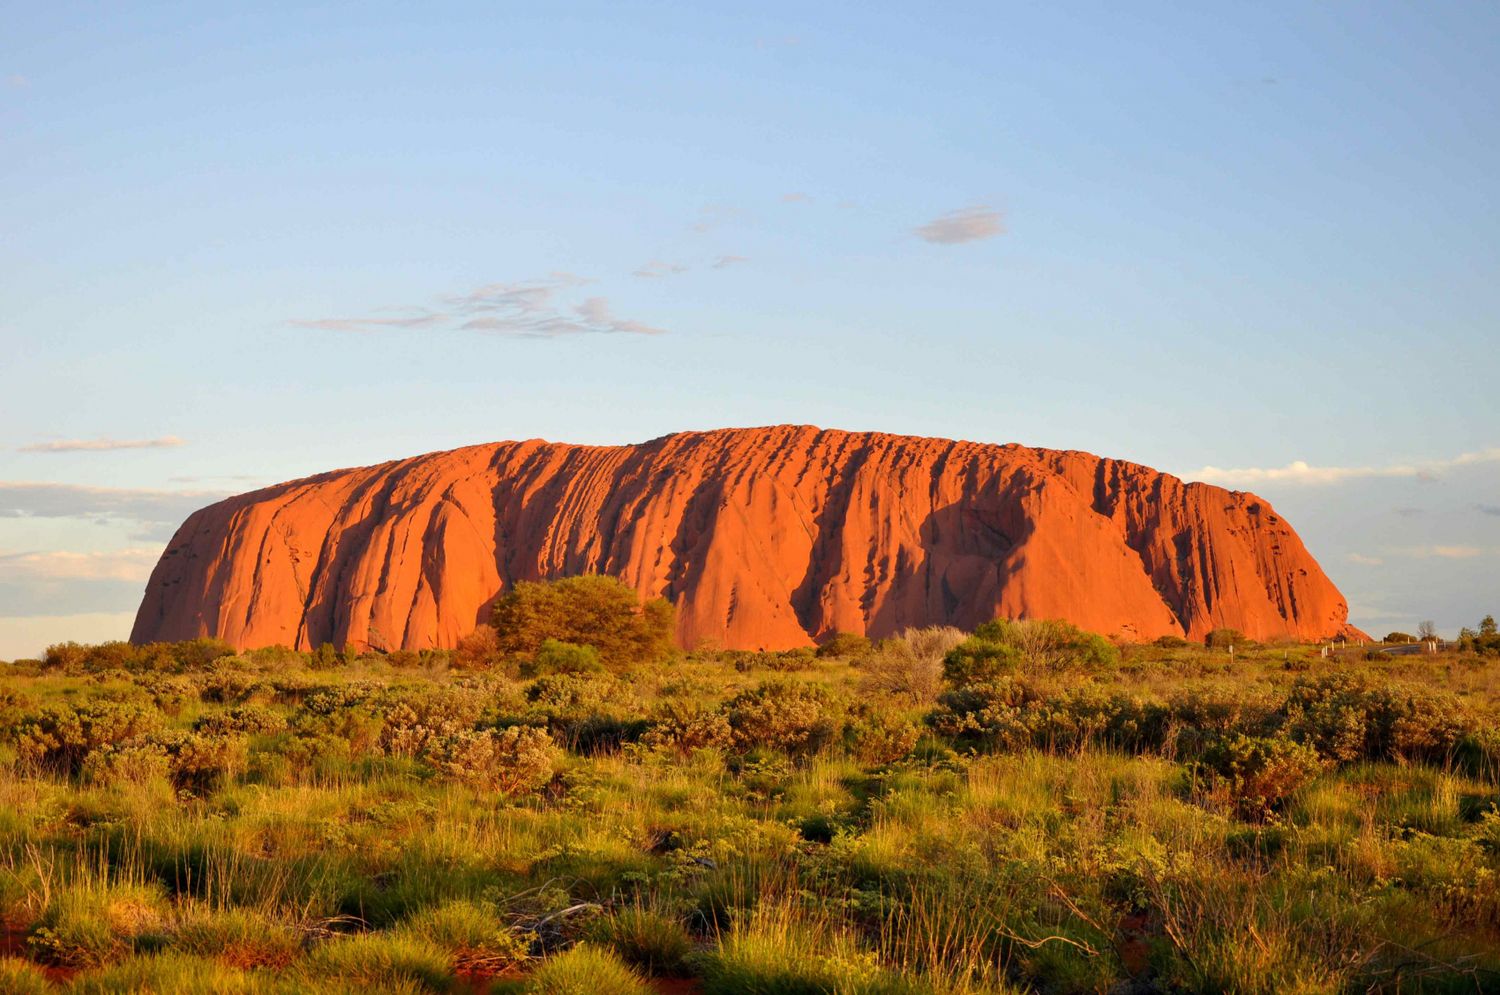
(768, 537)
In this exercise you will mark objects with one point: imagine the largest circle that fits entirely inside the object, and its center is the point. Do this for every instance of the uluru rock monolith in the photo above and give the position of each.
(763, 538)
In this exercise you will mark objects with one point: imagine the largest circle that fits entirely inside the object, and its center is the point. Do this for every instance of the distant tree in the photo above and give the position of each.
(844, 644)
(479, 650)
(1220, 639)
(557, 657)
(1397, 637)
(1487, 626)
(589, 610)
(1427, 631)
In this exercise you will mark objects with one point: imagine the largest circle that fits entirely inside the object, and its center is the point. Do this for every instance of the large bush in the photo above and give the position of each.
(1040, 646)
(910, 666)
(784, 715)
(508, 761)
(1257, 774)
(591, 610)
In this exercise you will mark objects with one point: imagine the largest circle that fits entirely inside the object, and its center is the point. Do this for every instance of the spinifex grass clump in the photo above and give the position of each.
(1027, 808)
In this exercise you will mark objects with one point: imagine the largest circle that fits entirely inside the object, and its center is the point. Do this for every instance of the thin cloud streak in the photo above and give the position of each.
(968, 224)
(656, 269)
(59, 565)
(724, 262)
(28, 499)
(102, 445)
(534, 309)
(1303, 473)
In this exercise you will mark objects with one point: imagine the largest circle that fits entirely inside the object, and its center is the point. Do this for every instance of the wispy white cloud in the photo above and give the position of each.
(968, 224)
(539, 309)
(1302, 472)
(713, 216)
(1441, 552)
(656, 269)
(724, 262)
(1365, 561)
(17, 82)
(28, 499)
(796, 198)
(57, 565)
(102, 445)
(1488, 509)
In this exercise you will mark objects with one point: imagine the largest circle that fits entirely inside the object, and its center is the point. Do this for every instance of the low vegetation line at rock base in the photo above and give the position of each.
(1025, 808)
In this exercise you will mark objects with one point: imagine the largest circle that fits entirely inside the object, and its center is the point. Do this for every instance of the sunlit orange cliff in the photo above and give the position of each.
(763, 538)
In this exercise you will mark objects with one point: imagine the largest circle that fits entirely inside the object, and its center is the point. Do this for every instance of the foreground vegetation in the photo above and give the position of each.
(1027, 808)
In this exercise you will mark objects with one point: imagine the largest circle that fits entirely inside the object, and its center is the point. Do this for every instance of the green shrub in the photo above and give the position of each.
(476, 940)
(89, 926)
(130, 763)
(247, 720)
(1346, 718)
(238, 937)
(60, 736)
(508, 761)
(911, 666)
(379, 960)
(978, 660)
(653, 942)
(586, 970)
(1257, 774)
(844, 645)
(177, 974)
(1223, 639)
(782, 715)
(590, 610)
(684, 726)
(557, 657)
(875, 737)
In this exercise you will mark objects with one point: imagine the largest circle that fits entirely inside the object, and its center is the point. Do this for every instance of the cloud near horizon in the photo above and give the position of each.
(535, 309)
(1302, 472)
(123, 564)
(155, 508)
(968, 224)
(101, 445)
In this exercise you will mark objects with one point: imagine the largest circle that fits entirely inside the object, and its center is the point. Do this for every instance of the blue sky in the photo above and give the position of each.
(272, 240)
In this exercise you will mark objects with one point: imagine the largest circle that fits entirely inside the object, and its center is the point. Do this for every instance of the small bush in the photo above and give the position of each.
(60, 736)
(173, 973)
(557, 657)
(978, 660)
(238, 937)
(474, 937)
(509, 761)
(1223, 639)
(876, 738)
(653, 942)
(131, 763)
(379, 961)
(85, 926)
(586, 970)
(479, 650)
(1257, 774)
(684, 726)
(844, 645)
(783, 715)
(910, 667)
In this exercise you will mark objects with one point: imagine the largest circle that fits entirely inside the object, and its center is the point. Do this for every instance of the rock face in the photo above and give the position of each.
(763, 538)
